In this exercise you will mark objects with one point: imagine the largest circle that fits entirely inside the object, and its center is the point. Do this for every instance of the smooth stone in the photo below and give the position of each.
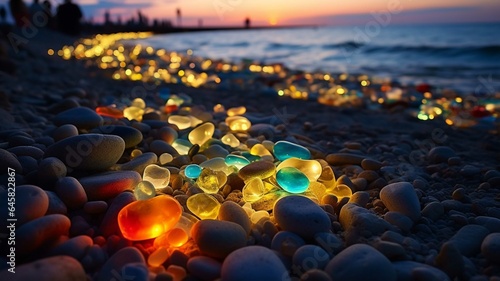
(108, 185)
(64, 132)
(51, 169)
(401, 197)
(287, 243)
(139, 163)
(204, 268)
(370, 164)
(469, 238)
(9, 161)
(450, 260)
(266, 130)
(95, 207)
(470, 171)
(131, 136)
(292, 180)
(34, 234)
(71, 192)
(390, 249)
(214, 151)
(19, 140)
(63, 105)
(406, 270)
(360, 223)
(233, 212)
(32, 151)
(28, 163)
(168, 134)
(192, 171)
(339, 159)
(300, 215)
(58, 268)
(361, 262)
(490, 248)
(253, 263)
(397, 219)
(218, 238)
(56, 205)
(492, 224)
(109, 224)
(89, 152)
(260, 169)
(82, 117)
(31, 202)
(115, 264)
(440, 154)
(284, 150)
(159, 147)
(330, 242)
(360, 198)
(310, 257)
(75, 247)
(433, 210)
(315, 275)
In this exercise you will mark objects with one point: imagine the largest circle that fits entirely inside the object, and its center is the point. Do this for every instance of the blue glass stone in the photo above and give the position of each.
(250, 157)
(284, 150)
(292, 180)
(192, 171)
(237, 161)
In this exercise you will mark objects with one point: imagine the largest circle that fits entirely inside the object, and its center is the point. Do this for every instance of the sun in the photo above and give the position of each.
(273, 21)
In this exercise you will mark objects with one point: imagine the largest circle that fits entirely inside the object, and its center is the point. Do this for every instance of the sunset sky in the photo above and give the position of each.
(286, 12)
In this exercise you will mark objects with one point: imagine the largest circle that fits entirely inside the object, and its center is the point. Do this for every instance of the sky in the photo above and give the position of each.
(293, 12)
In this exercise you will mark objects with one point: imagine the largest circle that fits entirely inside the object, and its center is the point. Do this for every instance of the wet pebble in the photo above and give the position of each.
(204, 268)
(82, 117)
(108, 185)
(58, 268)
(401, 197)
(115, 264)
(218, 238)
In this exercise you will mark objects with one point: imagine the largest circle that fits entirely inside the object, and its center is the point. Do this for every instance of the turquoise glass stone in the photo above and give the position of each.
(144, 190)
(192, 171)
(237, 161)
(250, 157)
(292, 180)
(284, 150)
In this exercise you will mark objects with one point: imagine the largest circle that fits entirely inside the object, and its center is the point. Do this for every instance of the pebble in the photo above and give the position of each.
(168, 134)
(136, 271)
(233, 212)
(51, 169)
(440, 154)
(31, 202)
(95, 207)
(204, 268)
(131, 136)
(315, 275)
(109, 224)
(360, 198)
(159, 147)
(300, 215)
(401, 197)
(397, 219)
(310, 257)
(361, 262)
(108, 185)
(34, 234)
(75, 247)
(139, 163)
(89, 152)
(24, 150)
(260, 169)
(56, 205)
(490, 248)
(286, 242)
(469, 238)
(64, 132)
(433, 210)
(215, 151)
(492, 224)
(406, 271)
(253, 263)
(339, 159)
(82, 117)
(117, 261)
(370, 164)
(9, 161)
(359, 223)
(390, 249)
(58, 268)
(450, 260)
(218, 238)
(71, 192)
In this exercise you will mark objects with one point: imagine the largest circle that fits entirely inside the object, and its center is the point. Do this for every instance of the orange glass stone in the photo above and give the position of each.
(147, 219)
(109, 111)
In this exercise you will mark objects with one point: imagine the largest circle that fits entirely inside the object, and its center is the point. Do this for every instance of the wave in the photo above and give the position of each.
(274, 45)
(236, 44)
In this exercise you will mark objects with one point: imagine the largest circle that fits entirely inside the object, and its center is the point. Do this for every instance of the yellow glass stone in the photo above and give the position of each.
(203, 206)
(340, 191)
(318, 189)
(231, 140)
(218, 108)
(166, 158)
(211, 181)
(158, 257)
(253, 190)
(133, 113)
(238, 123)
(235, 111)
(135, 153)
(311, 168)
(327, 177)
(139, 103)
(257, 216)
(182, 122)
(194, 121)
(260, 150)
(201, 134)
(158, 176)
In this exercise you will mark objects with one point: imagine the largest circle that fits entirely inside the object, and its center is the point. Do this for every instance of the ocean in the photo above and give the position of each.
(462, 57)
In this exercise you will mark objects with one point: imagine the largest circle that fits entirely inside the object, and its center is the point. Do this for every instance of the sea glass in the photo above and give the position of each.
(292, 180)
(236, 160)
(192, 171)
(144, 190)
(158, 176)
(133, 113)
(201, 134)
(231, 140)
(203, 206)
(109, 111)
(284, 150)
(235, 111)
(238, 123)
(253, 190)
(311, 168)
(211, 181)
(182, 122)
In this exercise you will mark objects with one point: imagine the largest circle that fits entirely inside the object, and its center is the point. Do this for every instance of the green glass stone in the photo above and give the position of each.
(292, 180)
(284, 150)
(237, 161)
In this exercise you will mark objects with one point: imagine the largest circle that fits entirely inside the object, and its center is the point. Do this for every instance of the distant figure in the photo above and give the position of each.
(3, 14)
(107, 18)
(68, 18)
(247, 23)
(200, 23)
(179, 17)
(19, 12)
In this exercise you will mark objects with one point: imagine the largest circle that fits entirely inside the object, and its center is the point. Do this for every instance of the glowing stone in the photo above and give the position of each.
(311, 168)
(135, 153)
(139, 103)
(253, 190)
(250, 157)
(284, 150)
(195, 121)
(292, 180)
(238, 123)
(177, 237)
(182, 122)
(166, 158)
(235, 111)
(144, 190)
(257, 216)
(219, 108)
(259, 169)
(341, 190)
(192, 171)
(231, 140)
(318, 189)
(133, 113)
(158, 257)
(182, 146)
(109, 111)
(217, 164)
(158, 176)
(327, 177)
(260, 150)
(201, 134)
(146, 219)
(211, 181)
(237, 161)
(203, 206)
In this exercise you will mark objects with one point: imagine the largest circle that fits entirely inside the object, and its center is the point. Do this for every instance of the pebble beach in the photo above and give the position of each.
(116, 179)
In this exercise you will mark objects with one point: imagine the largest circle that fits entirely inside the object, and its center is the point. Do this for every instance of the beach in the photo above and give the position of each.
(385, 195)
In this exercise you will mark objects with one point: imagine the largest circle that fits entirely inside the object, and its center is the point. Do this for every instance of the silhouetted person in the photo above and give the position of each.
(247, 23)
(3, 13)
(68, 18)
(107, 18)
(19, 12)
(179, 18)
